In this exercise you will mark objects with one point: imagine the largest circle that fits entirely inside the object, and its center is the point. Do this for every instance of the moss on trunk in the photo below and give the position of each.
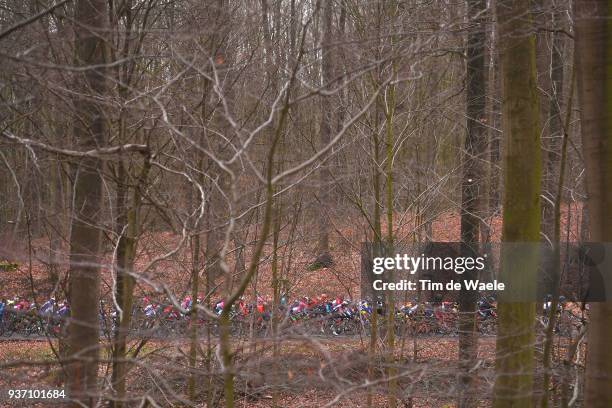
(521, 203)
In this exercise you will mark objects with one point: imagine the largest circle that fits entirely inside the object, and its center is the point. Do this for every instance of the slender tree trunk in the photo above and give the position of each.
(224, 318)
(325, 131)
(558, 129)
(550, 46)
(474, 150)
(57, 223)
(129, 223)
(210, 385)
(594, 62)
(555, 266)
(85, 238)
(494, 86)
(521, 206)
(377, 241)
(389, 113)
(193, 316)
(126, 252)
(372, 349)
(543, 39)
(276, 225)
(554, 135)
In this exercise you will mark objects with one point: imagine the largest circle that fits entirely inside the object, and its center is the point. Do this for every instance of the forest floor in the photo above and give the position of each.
(343, 278)
(312, 373)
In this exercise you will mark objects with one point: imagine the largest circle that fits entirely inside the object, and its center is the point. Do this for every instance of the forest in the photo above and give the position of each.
(198, 200)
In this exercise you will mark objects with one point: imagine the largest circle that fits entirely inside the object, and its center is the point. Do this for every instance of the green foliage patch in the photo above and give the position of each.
(7, 266)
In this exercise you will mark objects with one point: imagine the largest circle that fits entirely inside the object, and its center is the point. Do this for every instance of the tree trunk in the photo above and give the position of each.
(474, 150)
(325, 131)
(377, 244)
(85, 238)
(555, 264)
(225, 346)
(554, 271)
(126, 254)
(193, 317)
(57, 223)
(594, 62)
(554, 135)
(521, 205)
(543, 38)
(276, 225)
(494, 108)
(390, 355)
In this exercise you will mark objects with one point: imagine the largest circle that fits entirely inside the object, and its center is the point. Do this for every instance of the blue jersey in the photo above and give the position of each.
(47, 306)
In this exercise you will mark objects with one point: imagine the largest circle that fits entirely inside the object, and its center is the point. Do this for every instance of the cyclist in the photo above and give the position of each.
(219, 307)
(325, 304)
(299, 307)
(547, 304)
(486, 307)
(186, 303)
(63, 309)
(21, 304)
(561, 304)
(364, 307)
(408, 309)
(244, 310)
(2, 307)
(48, 307)
(149, 308)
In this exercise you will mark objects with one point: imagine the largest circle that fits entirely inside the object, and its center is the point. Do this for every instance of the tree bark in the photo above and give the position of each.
(555, 266)
(57, 223)
(594, 63)
(325, 131)
(521, 204)
(85, 238)
(474, 150)
(126, 254)
(554, 135)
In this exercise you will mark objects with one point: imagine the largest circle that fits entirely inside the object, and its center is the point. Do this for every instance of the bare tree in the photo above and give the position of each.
(593, 62)
(472, 185)
(90, 132)
(521, 211)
